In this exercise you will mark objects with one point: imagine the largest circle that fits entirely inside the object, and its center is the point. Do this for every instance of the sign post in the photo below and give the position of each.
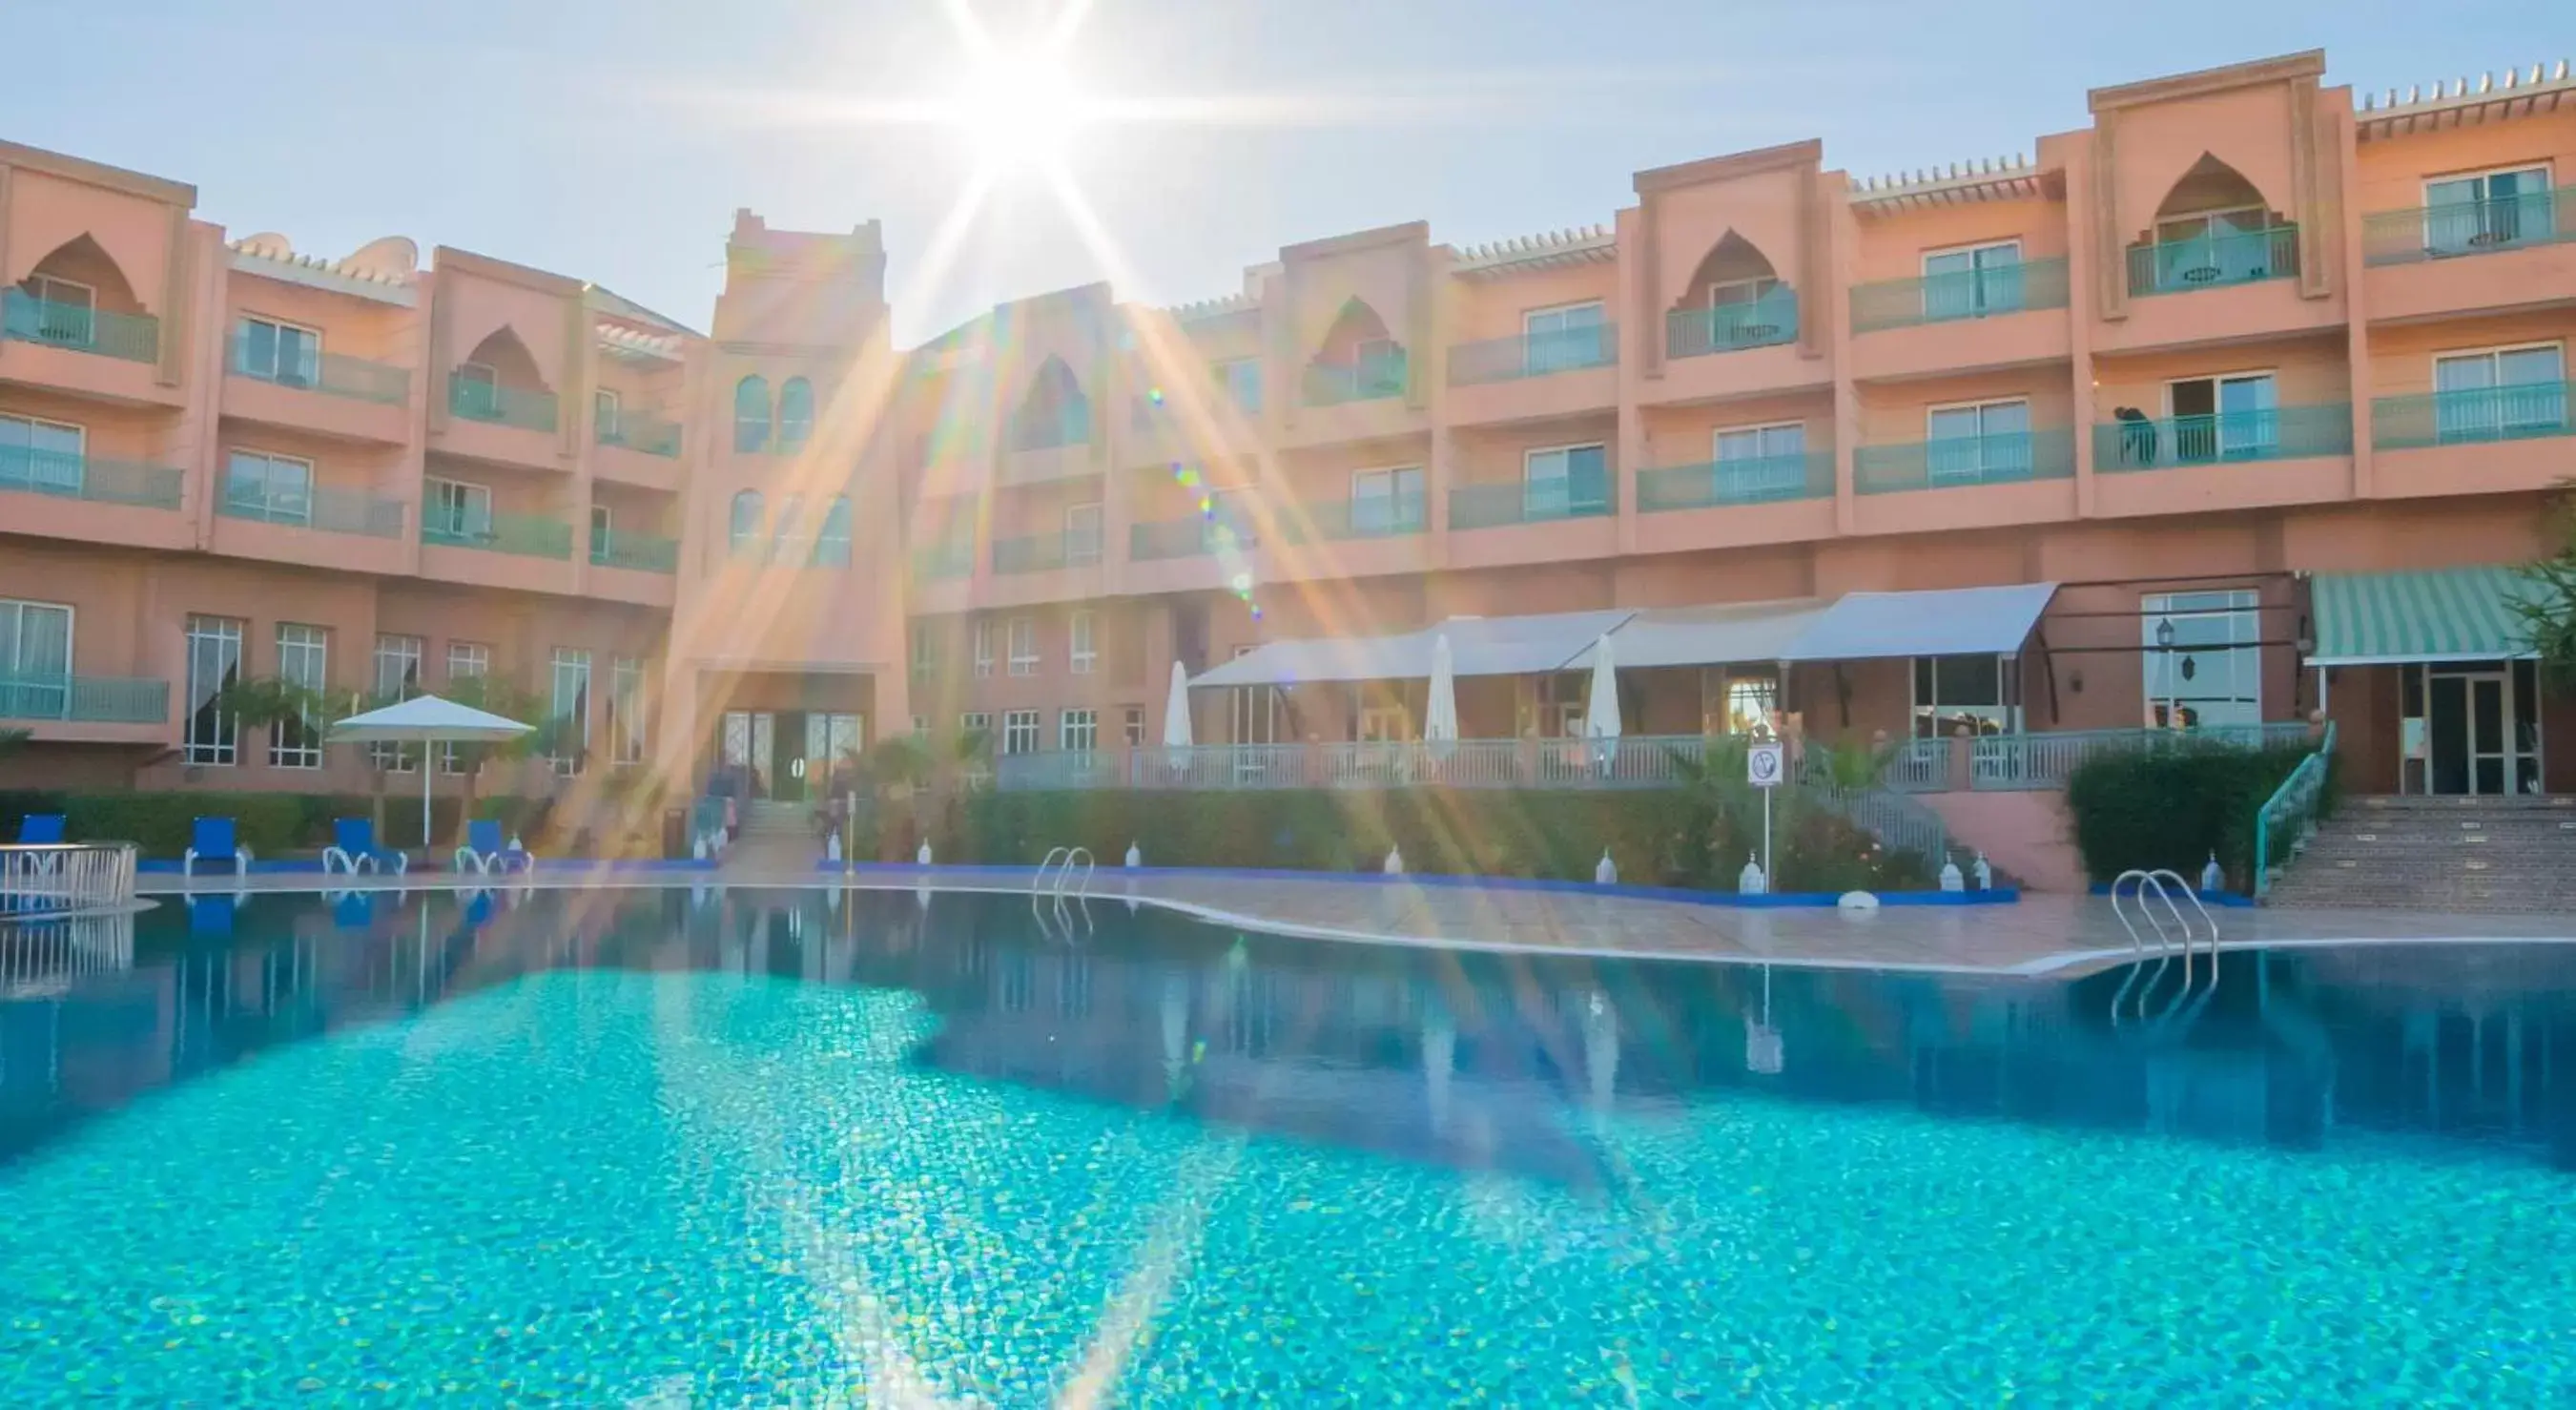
(1764, 762)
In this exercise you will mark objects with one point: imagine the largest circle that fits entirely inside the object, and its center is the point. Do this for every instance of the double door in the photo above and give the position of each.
(790, 755)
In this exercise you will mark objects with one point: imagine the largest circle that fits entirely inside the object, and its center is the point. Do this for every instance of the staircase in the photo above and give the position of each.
(777, 839)
(2495, 855)
(763, 817)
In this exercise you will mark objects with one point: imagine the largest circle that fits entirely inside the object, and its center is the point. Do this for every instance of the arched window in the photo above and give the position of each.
(795, 414)
(1054, 413)
(791, 514)
(751, 413)
(744, 539)
(832, 541)
(1734, 299)
(1359, 360)
(2213, 227)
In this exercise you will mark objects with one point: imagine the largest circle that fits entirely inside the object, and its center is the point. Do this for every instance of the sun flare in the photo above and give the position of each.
(1021, 110)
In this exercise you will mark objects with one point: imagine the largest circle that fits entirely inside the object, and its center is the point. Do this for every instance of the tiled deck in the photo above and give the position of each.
(2040, 935)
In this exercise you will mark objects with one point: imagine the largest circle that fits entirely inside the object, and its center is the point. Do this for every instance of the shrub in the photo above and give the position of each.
(270, 824)
(2173, 806)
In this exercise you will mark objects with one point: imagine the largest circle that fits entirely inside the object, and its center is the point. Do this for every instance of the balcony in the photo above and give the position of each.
(1534, 355)
(95, 700)
(1766, 479)
(1967, 294)
(2274, 433)
(331, 511)
(328, 373)
(1957, 461)
(635, 431)
(2212, 261)
(1045, 553)
(643, 553)
(1762, 322)
(1336, 519)
(521, 535)
(1370, 379)
(2470, 441)
(132, 337)
(942, 562)
(1198, 536)
(501, 406)
(87, 477)
(2469, 228)
(1588, 496)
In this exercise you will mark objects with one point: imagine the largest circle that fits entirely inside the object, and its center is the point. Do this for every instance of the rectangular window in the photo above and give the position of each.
(1083, 654)
(1082, 533)
(1077, 731)
(48, 457)
(276, 488)
(975, 722)
(1760, 462)
(1019, 732)
(397, 677)
(453, 509)
(1239, 380)
(2203, 658)
(271, 351)
(925, 650)
(66, 312)
(625, 711)
(1024, 646)
(983, 647)
(35, 661)
(2223, 418)
(466, 661)
(1556, 339)
(2500, 393)
(2217, 247)
(1387, 501)
(1978, 442)
(571, 703)
(1565, 480)
(303, 661)
(605, 413)
(602, 533)
(1982, 693)
(1972, 281)
(1135, 729)
(2486, 210)
(212, 735)
(921, 727)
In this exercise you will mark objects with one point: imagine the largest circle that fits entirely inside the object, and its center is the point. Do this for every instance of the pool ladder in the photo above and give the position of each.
(1064, 871)
(2153, 894)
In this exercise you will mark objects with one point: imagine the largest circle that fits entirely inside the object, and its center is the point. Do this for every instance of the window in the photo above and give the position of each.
(1387, 501)
(1019, 732)
(303, 660)
(983, 647)
(1082, 655)
(1239, 379)
(2483, 210)
(49, 457)
(1135, 732)
(1985, 441)
(1982, 693)
(1024, 646)
(1972, 282)
(795, 414)
(606, 420)
(2223, 418)
(1555, 339)
(2204, 658)
(625, 711)
(602, 537)
(1082, 533)
(270, 351)
(1732, 700)
(751, 414)
(65, 311)
(456, 511)
(1564, 481)
(466, 660)
(214, 664)
(832, 540)
(974, 722)
(1382, 723)
(1760, 462)
(788, 547)
(1077, 731)
(2216, 247)
(925, 651)
(572, 704)
(397, 677)
(35, 660)
(921, 727)
(743, 532)
(277, 488)
(2499, 394)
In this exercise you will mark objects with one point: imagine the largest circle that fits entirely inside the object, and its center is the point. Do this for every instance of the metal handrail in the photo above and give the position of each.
(2161, 884)
(1064, 877)
(2299, 793)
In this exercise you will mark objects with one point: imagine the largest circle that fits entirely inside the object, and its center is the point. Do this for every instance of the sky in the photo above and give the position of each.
(612, 140)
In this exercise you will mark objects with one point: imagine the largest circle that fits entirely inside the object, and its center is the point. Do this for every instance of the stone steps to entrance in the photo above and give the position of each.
(2453, 854)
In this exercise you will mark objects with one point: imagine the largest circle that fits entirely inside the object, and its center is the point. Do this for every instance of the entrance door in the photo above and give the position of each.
(2471, 733)
(831, 742)
(787, 782)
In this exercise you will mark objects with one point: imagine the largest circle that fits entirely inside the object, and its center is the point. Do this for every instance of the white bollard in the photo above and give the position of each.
(1135, 857)
(1858, 901)
(832, 847)
(1607, 873)
(1985, 873)
(1394, 862)
(1750, 881)
(923, 856)
(2211, 877)
(1950, 878)
(700, 850)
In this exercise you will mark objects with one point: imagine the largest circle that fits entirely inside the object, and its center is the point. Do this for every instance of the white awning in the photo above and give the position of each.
(1709, 636)
(1478, 646)
(1984, 621)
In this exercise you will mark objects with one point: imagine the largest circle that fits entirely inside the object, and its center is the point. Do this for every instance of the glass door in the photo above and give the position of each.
(2470, 733)
(787, 780)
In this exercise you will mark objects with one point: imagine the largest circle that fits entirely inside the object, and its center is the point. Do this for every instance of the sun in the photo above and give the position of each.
(1021, 110)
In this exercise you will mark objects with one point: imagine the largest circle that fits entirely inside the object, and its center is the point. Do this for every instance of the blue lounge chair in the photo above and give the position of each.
(213, 841)
(484, 852)
(353, 845)
(41, 830)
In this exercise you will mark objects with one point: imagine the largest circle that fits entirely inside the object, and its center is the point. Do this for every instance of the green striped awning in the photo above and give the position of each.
(2443, 614)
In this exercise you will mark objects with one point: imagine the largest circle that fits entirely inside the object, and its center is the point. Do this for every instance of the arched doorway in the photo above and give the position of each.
(2213, 227)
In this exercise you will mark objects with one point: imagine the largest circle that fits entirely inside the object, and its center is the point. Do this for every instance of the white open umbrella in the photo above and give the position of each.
(426, 720)
(1176, 710)
(1440, 715)
(1601, 705)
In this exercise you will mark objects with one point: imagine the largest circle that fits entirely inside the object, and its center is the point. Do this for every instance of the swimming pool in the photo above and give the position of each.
(665, 1148)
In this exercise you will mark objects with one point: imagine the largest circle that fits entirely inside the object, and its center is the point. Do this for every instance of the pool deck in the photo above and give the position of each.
(2054, 935)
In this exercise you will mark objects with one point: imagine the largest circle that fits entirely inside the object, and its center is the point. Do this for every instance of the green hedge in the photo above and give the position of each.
(2172, 807)
(270, 824)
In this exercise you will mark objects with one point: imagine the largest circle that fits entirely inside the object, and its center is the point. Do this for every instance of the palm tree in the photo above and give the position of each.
(2547, 605)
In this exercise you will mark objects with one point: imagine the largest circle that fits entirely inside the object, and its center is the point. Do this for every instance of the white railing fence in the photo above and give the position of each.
(61, 879)
(44, 958)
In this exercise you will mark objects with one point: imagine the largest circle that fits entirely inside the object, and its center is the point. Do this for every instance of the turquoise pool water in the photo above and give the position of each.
(791, 1149)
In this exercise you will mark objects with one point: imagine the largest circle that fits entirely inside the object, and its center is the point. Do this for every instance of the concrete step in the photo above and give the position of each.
(2455, 854)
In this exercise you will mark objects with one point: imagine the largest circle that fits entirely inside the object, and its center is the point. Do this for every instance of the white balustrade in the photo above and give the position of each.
(61, 879)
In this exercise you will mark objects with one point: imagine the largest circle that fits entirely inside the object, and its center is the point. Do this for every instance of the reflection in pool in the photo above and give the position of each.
(774, 1147)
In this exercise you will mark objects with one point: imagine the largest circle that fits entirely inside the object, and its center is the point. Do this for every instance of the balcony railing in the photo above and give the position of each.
(1194, 537)
(2469, 228)
(645, 553)
(135, 337)
(1634, 761)
(636, 431)
(2030, 761)
(1041, 553)
(1071, 428)
(527, 535)
(1761, 322)
(503, 406)
(2274, 433)
(2241, 257)
(1755, 480)
(333, 511)
(2526, 412)
(2006, 458)
(1968, 293)
(942, 561)
(1534, 355)
(1321, 520)
(328, 373)
(1587, 496)
(1371, 379)
(75, 476)
(99, 700)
